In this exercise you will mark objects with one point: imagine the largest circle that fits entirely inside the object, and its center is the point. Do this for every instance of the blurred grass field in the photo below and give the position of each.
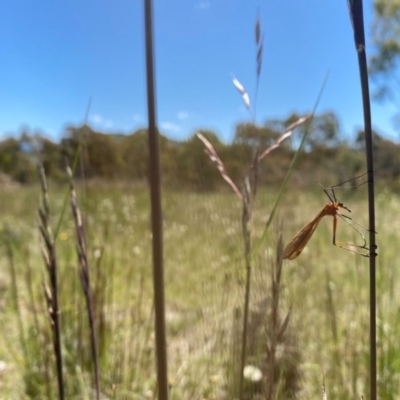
(326, 287)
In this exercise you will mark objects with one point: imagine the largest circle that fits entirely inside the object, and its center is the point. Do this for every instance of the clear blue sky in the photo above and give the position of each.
(55, 55)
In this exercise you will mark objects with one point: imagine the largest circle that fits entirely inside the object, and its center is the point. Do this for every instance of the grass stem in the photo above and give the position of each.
(85, 276)
(51, 291)
(156, 211)
(357, 18)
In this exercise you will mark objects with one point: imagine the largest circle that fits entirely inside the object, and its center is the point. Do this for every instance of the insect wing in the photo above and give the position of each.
(297, 244)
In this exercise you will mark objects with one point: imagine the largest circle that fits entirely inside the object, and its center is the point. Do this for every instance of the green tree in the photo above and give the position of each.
(384, 62)
(360, 139)
(386, 36)
(99, 153)
(135, 155)
(387, 159)
(73, 145)
(104, 159)
(15, 162)
(252, 135)
(323, 132)
(51, 158)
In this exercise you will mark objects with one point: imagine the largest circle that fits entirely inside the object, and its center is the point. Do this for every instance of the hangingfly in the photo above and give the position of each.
(297, 244)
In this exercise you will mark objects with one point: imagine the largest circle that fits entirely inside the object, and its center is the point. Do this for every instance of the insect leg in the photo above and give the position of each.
(352, 179)
(346, 219)
(342, 185)
(334, 229)
(348, 246)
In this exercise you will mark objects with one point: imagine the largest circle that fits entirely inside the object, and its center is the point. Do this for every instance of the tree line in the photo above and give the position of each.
(327, 155)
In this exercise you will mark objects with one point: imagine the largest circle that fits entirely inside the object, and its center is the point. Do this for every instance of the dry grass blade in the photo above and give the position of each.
(51, 290)
(275, 145)
(298, 122)
(242, 91)
(246, 193)
(246, 214)
(285, 135)
(259, 57)
(258, 30)
(260, 45)
(84, 274)
(238, 86)
(212, 154)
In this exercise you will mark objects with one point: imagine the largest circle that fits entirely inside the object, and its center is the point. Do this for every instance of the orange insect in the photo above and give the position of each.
(297, 244)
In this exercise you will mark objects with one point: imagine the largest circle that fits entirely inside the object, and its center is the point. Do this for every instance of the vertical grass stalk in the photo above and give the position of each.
(51, 290)
(357, 19)
(249, 191)
(156, 211)
(246, 193)
(85, 276)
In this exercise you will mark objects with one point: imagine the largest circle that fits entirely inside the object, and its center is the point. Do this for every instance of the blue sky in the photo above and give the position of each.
(56, 55)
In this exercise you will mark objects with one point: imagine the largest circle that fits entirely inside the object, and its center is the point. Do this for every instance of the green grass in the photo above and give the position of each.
(204, 276)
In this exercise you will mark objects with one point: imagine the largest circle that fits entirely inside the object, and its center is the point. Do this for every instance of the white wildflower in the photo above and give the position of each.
(252, 373)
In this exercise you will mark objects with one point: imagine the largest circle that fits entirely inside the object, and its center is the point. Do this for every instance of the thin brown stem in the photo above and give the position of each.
(247, 253)
(357, 18)
(85, 276)
(51, 290)
(156, 212)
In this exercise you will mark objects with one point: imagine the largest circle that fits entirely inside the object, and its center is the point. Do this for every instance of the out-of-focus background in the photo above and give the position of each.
(72, 82)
